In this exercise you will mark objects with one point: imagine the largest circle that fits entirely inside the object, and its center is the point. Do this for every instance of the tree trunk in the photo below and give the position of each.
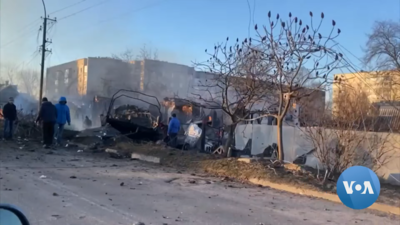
(228, 143)
(281, 154)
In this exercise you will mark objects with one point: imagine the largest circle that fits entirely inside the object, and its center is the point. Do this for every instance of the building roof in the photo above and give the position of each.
(5, 86)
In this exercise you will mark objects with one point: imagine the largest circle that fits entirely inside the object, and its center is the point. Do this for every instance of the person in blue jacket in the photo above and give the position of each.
(63, 117)
(173, 128)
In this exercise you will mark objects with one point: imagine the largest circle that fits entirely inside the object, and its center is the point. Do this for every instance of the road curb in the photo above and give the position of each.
(146, 158)
(318, 194)
(312, 193)
(137, 156)
(110, 150)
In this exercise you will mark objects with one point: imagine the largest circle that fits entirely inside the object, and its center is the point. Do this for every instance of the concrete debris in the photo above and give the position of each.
(43, 177)
(70, 145)
(139, 223)
(80, 151)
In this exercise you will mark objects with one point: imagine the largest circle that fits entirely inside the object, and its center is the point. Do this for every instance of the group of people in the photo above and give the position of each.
(52, 117)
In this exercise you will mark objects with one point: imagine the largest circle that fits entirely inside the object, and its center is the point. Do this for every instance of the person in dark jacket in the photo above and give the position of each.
(48, 117)
(10, 115)
(87, 123)
(63, 117)
(173, 128)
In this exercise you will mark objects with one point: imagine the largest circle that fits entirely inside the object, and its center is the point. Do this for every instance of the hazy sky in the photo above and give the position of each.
(179, 29)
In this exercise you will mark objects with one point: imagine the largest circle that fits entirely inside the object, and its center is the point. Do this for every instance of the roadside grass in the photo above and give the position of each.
(293, 175)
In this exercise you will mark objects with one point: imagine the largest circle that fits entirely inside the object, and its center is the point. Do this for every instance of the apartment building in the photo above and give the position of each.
(88, 77)
(163, 79)
(368, 87)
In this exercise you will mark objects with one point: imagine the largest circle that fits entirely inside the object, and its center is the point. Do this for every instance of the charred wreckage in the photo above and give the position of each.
(146, 118)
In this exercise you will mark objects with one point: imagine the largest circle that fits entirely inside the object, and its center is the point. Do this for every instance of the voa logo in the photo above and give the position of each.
(358, 187)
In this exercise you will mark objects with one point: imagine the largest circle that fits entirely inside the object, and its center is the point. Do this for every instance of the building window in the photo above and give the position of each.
(66, 76)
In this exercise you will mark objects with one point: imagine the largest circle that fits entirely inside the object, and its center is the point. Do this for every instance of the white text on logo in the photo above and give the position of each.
(358, 187)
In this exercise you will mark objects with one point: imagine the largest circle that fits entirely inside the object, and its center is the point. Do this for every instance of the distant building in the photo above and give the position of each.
(304, 110)
(368, 87)
(163, 79)
(88, 77)
(7, 90)
(104, 76)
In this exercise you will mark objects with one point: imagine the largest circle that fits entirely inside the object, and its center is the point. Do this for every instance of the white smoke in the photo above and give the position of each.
(26, 103)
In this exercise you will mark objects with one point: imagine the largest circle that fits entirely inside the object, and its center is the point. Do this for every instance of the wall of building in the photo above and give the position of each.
(106, 76)
(65, 79)
(88, 77)
(165, 79)
(373, 86)
(296, 142)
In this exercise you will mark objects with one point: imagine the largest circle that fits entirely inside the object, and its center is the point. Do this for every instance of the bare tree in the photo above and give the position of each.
(287, 46)
(129, 55)
(9, 72)
(233, 83)
(146, 52)
(382, 49)
(29, 80)
(382, 54)
(344, 140)
(26, 79)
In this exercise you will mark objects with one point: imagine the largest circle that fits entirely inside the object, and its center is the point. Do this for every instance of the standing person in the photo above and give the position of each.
(48, 117)
(10, 115)
(173, 128)
(63, 117)
(87, 123)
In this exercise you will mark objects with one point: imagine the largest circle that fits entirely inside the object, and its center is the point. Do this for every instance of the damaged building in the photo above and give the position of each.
(89, 77)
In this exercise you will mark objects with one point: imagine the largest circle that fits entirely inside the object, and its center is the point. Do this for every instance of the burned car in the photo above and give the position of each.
(138, 122)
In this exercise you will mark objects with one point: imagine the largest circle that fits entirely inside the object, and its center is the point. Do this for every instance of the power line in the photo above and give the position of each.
(28, 25)
(19, 37)
(131, 11)
(68, 6)
(123, 15)
(35, 22)
(83, 10)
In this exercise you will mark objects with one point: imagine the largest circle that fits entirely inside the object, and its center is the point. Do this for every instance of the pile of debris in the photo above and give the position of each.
(24, 126)
(97, 138)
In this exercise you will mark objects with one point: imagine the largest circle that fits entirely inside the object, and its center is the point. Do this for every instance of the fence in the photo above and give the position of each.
(297, 143)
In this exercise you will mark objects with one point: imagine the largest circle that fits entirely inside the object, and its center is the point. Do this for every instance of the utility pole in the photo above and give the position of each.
(44, 50)
(46, 18)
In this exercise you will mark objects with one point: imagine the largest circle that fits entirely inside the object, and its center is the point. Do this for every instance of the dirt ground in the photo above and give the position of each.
(233, 169)
(72, 187)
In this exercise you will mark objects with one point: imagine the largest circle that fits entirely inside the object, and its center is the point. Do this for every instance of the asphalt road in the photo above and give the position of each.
(73, 188)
